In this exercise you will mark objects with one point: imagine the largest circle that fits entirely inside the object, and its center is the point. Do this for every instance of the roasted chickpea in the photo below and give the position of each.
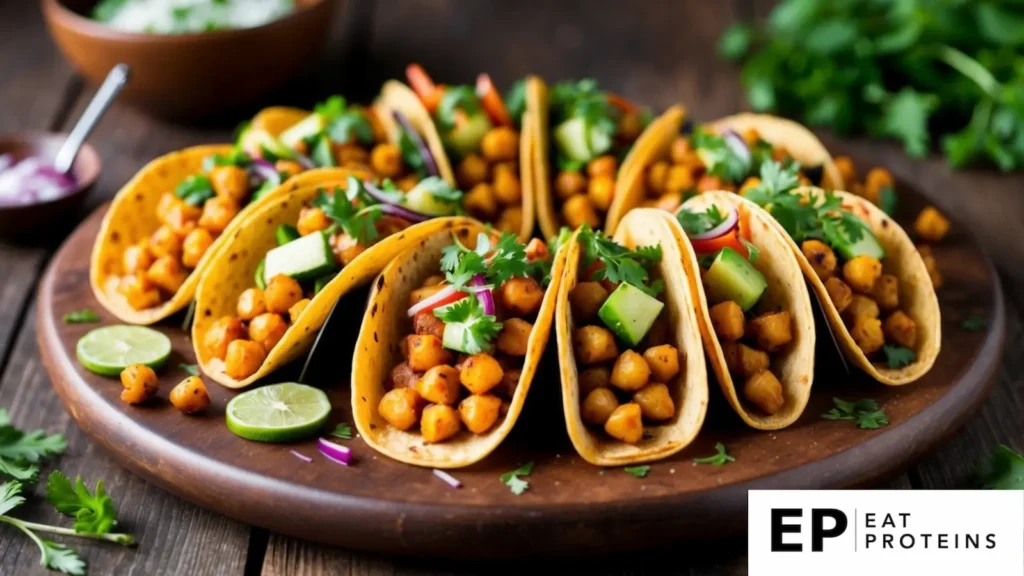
(139, 292)
(521, 296)
(426, 323)
(345, 248)
(481, 201)
(772, 331)
(887, 292)
(500, 144)
(433, 280)
(626, 423)
(681, 152)
(401, 407)
(669, 202)
(867, 333)
(751, 136)
(312, 219)
(655, 402)
(569, 184)
(663, 361)
(821, 257)
(251, 304)
(594, 344)
(218, 212)
(579, 210)
(350, 153)
(901, 329)
(605, 166)
(509, 382)
(439, 423)
(281, 293)
(136, 258)
(439, 385)
(164, 242)
(727, 320)
(182, 218)
(426, 291)
(601, 191)
(764, 390)
(586, 299)
(403, 376)
(536, 250)
(167, 274)
(167, 201)
(839, 292)
(479, 412)
(861, 306)
(862, 272)
(230, 182)
(195, 246)
(386, 160)
(598, 406)
(511, 220)
(744, 361)
(876, 180)
(471, 171)
(845, 166)
(426, 351)
(678, 180)
(190, 395)
(780, 153)
(660, 332)
(630, 125)
(223, 332)
(630, 372)
(407, 183)
(288, 167)
(594, 378)
(480, 373)
(297, 309)
(267, 330)
(657, 176)
(140, 383)
(506, 185)
(931, 225)
(514, 338)
(243, 359)
(930, 264)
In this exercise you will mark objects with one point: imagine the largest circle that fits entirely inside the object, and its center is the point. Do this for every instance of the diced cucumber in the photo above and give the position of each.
(866, 245)
(285, 233)
(457, 336)
(421, 200)
(600, 142)
(259, 276)
(323, 153)
(304, 259)
(306, 128)
(733, 277)
(573, 139)
(271, 147)
(630, 313)
(465, 139)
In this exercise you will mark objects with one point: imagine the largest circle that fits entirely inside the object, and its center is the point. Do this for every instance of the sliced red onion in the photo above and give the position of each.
(448, 478)
(265, 170)
(300, 456)
(403, 212)
(414, 136)
(432, 300)
(737, 145)
(483, 294)
(336, 452)
(305, 161)
(727, 225)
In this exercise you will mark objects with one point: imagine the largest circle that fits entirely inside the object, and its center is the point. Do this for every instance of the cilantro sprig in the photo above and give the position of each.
(700, 222)
(514, 479)
(343, 431)
(865, 413)
(1001, 469)
(503, 260)
(21, 453)
(468, 319)
(620, 263)
(898, 356)
(637, 471)
(719, 158)
(720, 458)
(456, 99)
(83, 316)
(342, 123)
(352, 210)
(974, 323)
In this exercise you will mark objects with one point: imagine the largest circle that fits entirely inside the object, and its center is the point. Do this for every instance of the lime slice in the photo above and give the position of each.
(109, 350)
(278, 413)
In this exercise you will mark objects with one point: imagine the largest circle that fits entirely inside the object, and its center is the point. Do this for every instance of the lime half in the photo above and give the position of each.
(278, 413)
(109, 350)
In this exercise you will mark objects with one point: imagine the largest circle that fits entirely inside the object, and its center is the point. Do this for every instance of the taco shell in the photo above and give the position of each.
(378, 349)
(786, 290)
(641, 227)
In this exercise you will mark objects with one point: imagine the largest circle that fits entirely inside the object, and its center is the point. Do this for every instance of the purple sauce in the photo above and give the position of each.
(31, 181)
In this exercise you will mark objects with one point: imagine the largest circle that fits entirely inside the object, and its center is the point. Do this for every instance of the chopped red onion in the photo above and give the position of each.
(334, 452)
(727, 225)
(448, 478)
(300, 456)
(737, 144)
(428, 158)
(31, 181)
(483, 294)
(432, 300)
(403, 213)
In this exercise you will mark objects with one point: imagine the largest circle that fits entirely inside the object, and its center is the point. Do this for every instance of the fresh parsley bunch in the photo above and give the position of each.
(914, 70)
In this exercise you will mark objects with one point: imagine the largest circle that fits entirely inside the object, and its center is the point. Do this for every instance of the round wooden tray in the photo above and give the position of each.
(379, 504)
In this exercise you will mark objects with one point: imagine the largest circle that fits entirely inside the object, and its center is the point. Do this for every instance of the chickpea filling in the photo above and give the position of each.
(463, 358)
(490, 179)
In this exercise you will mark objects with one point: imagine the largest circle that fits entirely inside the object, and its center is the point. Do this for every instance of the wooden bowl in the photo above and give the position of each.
(191, 76)
(18, 221)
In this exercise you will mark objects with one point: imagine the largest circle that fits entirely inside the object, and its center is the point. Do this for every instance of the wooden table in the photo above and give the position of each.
(657, 52)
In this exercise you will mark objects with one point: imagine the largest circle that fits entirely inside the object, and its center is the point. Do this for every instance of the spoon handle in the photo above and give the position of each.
(111, 86)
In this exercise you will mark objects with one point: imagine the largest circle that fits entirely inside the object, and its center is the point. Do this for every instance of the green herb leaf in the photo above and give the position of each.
(479, 329)
(348, 124)
(753, 252)
(620, 263)
(456, 99)
(699, 222)
(898, 356)
(515, 100)
(637, 471)
(887, 200)
(83, 316)
(346, 209)
(195, 190)
(93, 513)
(735, 41)
(21, 453)
(720, 458)
(343, 431)
(1001, 469)
(190, 369)
(974, 323)
(514, 481)
(331, 108)
(865, 413)
(906, 118)
(719, 158)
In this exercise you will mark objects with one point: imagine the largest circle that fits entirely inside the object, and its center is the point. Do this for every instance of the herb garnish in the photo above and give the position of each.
(83, 316)
(343, 431)
(195, 190)
(865, 413)
(974, 323)
(719, 158)
(637, 471)
(719, 459)
(504, 260)
(515, 100)
(456, 99)
(343, 122)
(512, 479)
(190, 369)
(478, 328)
(20, 453)
(898, 356)
(1001, 469)
(620, 264)
(700, 222)
(352, 210)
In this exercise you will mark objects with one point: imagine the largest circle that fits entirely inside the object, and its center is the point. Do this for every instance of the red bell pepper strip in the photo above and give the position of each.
(492, 101)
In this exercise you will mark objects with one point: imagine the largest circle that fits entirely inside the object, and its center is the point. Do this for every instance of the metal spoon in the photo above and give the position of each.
(110, 88)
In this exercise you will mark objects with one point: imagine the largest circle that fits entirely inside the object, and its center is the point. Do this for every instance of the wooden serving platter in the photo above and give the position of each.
(378, 504)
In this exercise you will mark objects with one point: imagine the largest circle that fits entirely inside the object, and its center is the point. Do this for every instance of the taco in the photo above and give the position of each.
(634, 382)
(588, 147)
(874, 286)
(451, 340)
(165, 224)
(727, 154)
(473, 128)
(753, 307)
(270, 289)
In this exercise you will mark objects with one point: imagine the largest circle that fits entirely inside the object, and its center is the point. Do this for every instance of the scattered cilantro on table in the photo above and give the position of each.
(83, 316)
(1001, 469)
(637, 471)
(720, 458)
(865, 413)
(514, 481)
(21, 453)
(343, 431)
(974, 323)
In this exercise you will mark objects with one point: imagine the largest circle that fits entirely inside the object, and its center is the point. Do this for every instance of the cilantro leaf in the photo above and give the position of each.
(93, 513)
(20, 453)
(721, 457)
(1000, 469)
(343, 431)
(512, 479)
(735, 41)
(83, 316)
(974, 323)
(10, 496)
(456, 99)
(887, 200)
(637, 471)
(906, 117)
(898, 356)
(343, 208)
(190, 369)
(699, 222)
(195, 190)
(61, 558)
(620, 263)
(331, 108)
(348, 124)
(865, 413)
(478, 330)
(719, 158)
(515, 100)
(753, 252)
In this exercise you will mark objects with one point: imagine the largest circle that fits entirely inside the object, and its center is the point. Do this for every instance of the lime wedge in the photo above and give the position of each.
(278, 413)
(109, 350)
